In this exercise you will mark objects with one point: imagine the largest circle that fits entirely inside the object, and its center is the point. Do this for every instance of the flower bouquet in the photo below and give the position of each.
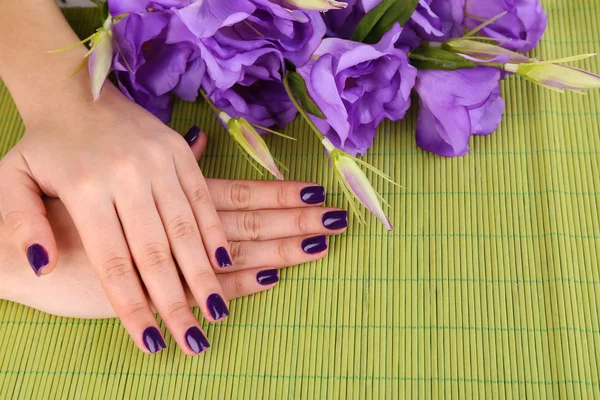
(343, 67)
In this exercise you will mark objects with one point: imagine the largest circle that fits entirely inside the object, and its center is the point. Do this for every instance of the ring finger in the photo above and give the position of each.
(187, 247)
(152, 254)
(278, 253)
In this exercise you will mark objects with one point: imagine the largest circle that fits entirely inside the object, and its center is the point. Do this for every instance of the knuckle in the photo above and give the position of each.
(239, 253)
(251, 225)
(282, 197)
(134, 309)
(239, 195)
(202, 278)
(284, 252)
(15, 220)
(157, 152)
(117, 267)
(181, 228)
(156, 258)
(178, 309)
(87, 187)
(301, 222)
(125, 164)
(239, 283)
(200, 196)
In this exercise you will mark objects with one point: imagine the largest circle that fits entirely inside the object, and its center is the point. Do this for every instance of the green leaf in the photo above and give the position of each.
(382, 18)
(426, 57)
(298, 86)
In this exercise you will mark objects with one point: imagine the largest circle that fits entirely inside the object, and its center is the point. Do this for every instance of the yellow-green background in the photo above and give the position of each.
(489, 287)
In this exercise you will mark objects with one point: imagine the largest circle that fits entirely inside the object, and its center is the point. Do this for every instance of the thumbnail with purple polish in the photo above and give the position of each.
(223, 258)
(217, 307)
(313, 195)
(153, 340)
(196, 340)
(192, 135)
(335, 220)
(314, 245)
(37, 257)
(268, 277)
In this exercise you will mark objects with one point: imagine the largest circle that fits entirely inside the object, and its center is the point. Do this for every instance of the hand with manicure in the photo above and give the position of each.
(269, 226)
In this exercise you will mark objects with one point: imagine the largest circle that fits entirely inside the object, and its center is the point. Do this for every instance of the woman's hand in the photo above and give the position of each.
(139, 202)
(269, 225)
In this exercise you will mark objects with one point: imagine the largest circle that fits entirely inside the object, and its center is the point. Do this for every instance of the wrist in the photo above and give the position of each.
(34, 77)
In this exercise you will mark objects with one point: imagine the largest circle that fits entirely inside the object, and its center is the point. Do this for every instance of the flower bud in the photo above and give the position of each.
(251, 143)
(315, 5)
(557, 76)
(355, 183)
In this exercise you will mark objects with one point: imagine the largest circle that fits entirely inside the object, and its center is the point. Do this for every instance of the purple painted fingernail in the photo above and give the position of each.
(268, 277)
(335, 220)
(217, 307)
(192, 135)
(313, 195)
(223, 258)
(153, 340)
(196, 340)
(314, 245)
(37, 257)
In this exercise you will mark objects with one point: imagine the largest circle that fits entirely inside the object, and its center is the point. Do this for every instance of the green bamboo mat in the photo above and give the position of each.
(489, 287)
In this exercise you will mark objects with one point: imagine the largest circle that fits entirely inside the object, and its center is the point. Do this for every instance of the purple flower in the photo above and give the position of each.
(357, 86)
(343, 23)
(152, 64)
(263, 103)
(119, 7)
(456, 104)
(237, 32)
(433, 20)
(438, 20)
(519, 30)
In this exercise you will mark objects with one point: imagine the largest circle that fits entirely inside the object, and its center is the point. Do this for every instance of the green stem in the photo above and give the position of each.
(210, 103)
(303, 113)
(492, 64)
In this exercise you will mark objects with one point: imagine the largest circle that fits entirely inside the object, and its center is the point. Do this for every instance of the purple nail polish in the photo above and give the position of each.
(335, 220)
(153, 340)
(313, 195)
(217, 307)
(196, 340)
(314, 245)
(192, 135)
(268, 277)
(37, 257)
(223, 258)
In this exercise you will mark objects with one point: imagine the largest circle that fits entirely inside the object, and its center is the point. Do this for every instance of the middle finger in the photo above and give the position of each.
(277, 224)
(152, 254)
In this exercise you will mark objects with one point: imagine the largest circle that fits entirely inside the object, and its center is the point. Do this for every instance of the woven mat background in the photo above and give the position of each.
(489, 287)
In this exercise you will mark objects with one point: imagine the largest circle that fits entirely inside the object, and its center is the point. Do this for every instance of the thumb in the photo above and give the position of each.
(24, 214)
(197, 141)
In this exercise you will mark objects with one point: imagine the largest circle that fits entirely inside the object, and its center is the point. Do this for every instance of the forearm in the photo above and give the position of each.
(28, 30)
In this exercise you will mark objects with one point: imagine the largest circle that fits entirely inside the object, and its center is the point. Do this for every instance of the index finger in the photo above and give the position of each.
(238, 195)
(104, 241)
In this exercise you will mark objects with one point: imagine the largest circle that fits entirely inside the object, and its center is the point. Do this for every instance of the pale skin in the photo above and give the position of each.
(73, 289)
(134, 192)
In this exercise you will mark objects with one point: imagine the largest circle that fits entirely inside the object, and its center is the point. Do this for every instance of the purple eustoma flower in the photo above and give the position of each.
(150, 67)
(357, 86)
(243, 41)
(519, 30)
(343, 23)
(455, 105)
(263, 103)
(438, 20)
